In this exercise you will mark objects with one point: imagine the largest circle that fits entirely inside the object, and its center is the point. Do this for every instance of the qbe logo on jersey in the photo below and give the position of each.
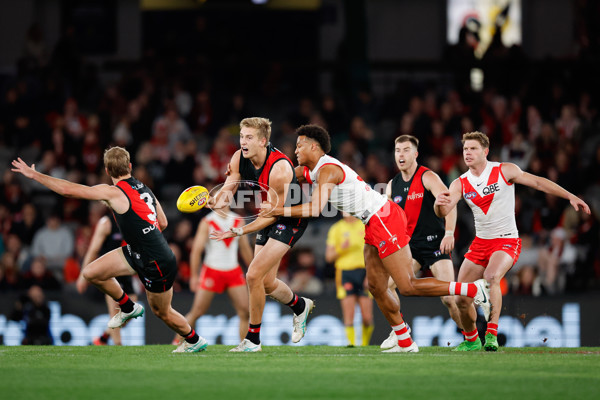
(491, 189)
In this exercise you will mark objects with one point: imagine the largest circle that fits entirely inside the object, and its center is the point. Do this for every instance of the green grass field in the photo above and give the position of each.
(284, 372)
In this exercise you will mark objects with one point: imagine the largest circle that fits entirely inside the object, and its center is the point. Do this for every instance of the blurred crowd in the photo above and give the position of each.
(179, 117)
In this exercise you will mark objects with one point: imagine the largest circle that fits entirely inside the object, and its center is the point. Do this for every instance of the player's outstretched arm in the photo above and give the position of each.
(65, 188)
(102, 230)
(447, 199)
(434, 184)
(329, 176)
(514, 174)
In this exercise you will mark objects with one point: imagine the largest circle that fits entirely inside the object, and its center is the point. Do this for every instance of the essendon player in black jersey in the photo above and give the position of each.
(259, 163)
(432, 239)
(141, 220)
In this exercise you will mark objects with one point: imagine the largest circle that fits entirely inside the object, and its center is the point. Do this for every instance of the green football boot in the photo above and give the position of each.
(469, 346)
(491, 342)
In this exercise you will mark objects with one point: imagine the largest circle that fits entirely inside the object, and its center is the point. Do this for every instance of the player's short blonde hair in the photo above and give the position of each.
(262, 126)
(408, 138)
(116, 162)
(480, 137)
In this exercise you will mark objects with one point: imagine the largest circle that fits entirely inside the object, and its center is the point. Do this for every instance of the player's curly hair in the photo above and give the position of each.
(116, 161)
(480, 137)
(316, 133)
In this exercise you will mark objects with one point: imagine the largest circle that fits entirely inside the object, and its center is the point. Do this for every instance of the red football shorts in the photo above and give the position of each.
(481, 250)
(386, 229)
(217, 281)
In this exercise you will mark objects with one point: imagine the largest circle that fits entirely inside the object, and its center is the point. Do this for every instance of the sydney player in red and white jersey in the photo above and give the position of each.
(221, 271)
(386, 252)
(488, 188)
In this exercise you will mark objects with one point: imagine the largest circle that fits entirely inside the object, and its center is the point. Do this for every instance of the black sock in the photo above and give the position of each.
(125, 303)
(191, 337)
(253, 334)
(297, 304)
(104, 338)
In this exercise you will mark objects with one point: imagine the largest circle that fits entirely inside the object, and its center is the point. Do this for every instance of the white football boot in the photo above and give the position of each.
(300, 321)
(413, 348)
(392, 339)
(120, 318)
(246, 347)
(185, 347)
(482, 297)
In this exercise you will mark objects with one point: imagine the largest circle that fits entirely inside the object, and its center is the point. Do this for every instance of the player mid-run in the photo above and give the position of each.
(488, 188)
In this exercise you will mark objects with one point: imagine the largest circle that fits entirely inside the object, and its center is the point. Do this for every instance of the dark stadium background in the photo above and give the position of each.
(77, 76)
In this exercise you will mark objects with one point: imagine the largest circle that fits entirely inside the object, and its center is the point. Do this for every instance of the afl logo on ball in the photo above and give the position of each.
(397, 199)
(470, 195)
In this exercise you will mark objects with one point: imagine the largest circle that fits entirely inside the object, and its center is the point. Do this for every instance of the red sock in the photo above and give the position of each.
(471, 336)
(462, 289)
(492, 328)
(404, 339)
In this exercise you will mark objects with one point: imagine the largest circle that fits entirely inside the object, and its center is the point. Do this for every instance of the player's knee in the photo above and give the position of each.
(270, 286)
(448, 301)
(160, 312)
(253, 279)
(377, 290)
(89, 275)
(492, 279)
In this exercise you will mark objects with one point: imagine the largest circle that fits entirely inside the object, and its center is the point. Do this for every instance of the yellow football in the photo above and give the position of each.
(192, 199)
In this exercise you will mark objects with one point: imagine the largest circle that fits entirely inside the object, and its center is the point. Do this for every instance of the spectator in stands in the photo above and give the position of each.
(555, 260)
(55, 242)
(33, 310)
(26, 223)
(9, 275)
(39, 276)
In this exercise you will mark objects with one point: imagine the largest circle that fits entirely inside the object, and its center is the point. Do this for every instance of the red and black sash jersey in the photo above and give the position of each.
(114, 238)
(260, 177)
(423, 225)
(139, 224)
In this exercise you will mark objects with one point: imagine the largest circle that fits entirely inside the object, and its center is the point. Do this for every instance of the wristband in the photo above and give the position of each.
(237, 231)
(449, 234)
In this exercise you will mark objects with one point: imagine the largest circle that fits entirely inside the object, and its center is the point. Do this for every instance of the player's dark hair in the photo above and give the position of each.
(317, 134)
(408, 138)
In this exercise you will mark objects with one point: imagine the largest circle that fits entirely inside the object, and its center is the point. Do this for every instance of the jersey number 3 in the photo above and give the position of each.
(148, 200)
